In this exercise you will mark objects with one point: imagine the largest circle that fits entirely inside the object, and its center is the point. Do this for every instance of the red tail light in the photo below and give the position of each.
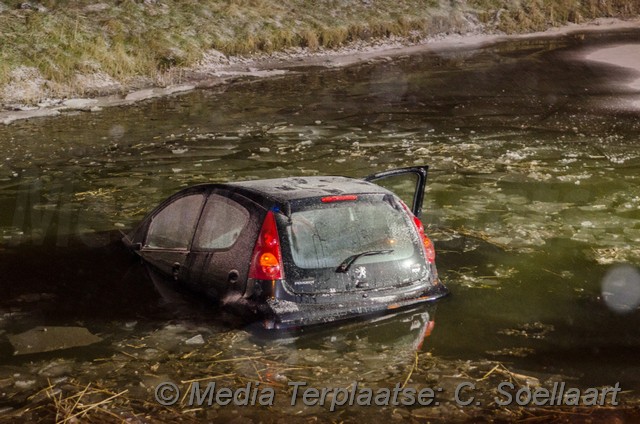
(266, 261)
(429, 248)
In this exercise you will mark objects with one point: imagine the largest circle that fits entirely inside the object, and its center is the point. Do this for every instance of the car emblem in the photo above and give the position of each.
(360, 272)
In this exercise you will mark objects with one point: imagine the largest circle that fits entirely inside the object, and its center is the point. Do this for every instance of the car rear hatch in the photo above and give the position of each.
(350, 243)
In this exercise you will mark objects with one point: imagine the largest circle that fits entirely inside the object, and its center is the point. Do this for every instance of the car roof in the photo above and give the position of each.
(284, 190)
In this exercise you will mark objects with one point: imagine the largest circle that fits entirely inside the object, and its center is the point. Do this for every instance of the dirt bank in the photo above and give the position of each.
(216, 68)
(59, 50)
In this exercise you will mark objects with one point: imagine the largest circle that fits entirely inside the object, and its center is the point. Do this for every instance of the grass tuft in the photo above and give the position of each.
(125, 40)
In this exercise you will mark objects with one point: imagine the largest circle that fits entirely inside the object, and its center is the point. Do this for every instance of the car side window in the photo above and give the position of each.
(221, 223)
(173, 226)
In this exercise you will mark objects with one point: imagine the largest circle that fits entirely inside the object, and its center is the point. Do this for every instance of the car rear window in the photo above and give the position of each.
(323, 238)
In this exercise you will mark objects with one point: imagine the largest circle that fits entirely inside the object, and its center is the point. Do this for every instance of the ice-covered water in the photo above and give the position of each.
(533, 195)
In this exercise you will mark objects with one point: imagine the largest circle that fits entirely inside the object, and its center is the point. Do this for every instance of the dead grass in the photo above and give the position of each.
(72, 402)
(135, 40)
(518, 16)
(76, 402)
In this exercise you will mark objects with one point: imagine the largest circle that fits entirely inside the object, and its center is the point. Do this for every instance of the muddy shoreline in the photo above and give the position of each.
(216, 69)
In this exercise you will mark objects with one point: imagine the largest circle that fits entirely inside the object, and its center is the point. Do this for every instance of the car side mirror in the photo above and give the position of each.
(136, 246)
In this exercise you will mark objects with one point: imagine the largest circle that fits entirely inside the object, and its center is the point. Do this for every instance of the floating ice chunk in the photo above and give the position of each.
(24, 384)
(46, 339)
(195, 340)
(516, 155)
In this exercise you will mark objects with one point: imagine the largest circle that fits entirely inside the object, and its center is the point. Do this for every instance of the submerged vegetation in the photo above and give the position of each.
(63, 48)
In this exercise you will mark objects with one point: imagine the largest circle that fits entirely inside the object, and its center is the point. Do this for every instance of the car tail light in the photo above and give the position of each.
(266, 261)
(429, 248)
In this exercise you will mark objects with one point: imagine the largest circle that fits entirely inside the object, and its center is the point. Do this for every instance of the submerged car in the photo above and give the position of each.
(300, 250)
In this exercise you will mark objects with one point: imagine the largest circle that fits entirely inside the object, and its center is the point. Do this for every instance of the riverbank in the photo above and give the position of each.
(42, 76)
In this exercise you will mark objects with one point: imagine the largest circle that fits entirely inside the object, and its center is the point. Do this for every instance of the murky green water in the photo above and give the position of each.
(534, 195)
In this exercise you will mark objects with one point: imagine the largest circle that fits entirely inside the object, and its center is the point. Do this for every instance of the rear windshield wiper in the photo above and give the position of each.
(346, 264)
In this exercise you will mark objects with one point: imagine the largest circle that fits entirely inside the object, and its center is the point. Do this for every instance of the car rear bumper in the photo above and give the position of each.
(290, 314)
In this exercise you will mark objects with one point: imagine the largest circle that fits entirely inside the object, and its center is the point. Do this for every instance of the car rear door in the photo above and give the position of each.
(220, 253)
(408, 183)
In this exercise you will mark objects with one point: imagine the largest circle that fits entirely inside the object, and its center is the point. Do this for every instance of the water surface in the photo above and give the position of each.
(533, 197)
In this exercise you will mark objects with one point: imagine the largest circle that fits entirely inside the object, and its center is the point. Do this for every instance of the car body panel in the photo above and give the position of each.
(290, 314)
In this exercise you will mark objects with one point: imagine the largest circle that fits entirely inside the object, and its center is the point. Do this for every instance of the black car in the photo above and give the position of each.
(298, 250)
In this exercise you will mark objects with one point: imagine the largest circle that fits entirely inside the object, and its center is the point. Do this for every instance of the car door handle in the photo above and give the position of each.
(175, 269)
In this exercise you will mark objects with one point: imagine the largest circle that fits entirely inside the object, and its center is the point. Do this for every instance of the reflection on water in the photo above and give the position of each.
(534, 194)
